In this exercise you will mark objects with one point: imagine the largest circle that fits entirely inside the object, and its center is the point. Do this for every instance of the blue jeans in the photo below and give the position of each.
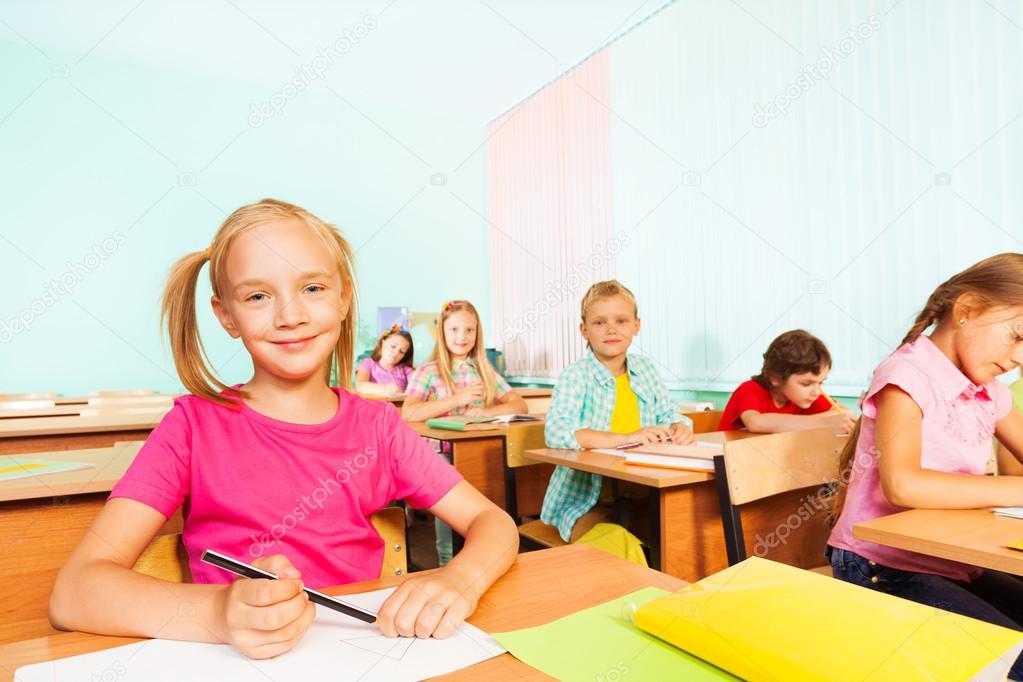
(994, 597)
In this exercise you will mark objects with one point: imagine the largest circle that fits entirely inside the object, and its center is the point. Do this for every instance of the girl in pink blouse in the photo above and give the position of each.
(387, 370)
(283, 471)
(924, 440)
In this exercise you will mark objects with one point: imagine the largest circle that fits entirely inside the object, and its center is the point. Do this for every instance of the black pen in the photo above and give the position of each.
(246, 571)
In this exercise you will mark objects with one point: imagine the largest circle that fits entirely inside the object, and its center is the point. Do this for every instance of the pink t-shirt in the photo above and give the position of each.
(958, 424)
(253, 486)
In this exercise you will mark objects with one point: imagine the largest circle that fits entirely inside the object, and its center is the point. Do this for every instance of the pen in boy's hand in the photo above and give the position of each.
(246, 571)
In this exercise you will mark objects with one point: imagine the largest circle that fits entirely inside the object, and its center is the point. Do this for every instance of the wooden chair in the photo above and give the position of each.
(165, 556)
(519, 439)
(755, 469)
(706, 421)
(122, 393)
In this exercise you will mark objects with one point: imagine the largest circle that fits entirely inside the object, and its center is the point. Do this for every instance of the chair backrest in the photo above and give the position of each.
(760, 467)
(522, 437)
(706, 421)
(390, 524)
(165, 557)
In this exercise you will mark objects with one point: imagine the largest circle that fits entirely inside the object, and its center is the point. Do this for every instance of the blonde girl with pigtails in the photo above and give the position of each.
(283, 471)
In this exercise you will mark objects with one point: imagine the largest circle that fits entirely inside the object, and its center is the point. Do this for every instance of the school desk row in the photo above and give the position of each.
(768, 484)
(40, 405)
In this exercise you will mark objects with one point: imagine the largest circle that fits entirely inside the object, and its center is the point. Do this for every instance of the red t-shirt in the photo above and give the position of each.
(752, 396)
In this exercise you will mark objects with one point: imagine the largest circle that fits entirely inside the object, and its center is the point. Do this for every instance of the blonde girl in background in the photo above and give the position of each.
(458, 380)
(240, 458)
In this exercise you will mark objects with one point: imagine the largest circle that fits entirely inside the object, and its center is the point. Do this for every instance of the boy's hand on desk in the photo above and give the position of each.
(681, 434)
(649, 434)
(469, 394)
(264, 618)
(432, 605)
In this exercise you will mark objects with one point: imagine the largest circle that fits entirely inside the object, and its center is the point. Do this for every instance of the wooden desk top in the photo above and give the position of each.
(446, 435)
(534, 392)
(972, 536)
(111, 463)
(52, 426)
(615, 467)
(540, 587)
(58, 410)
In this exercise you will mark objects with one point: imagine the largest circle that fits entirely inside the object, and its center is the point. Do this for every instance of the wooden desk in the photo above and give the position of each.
(33, 434)
(971, 536)
(540, 587)
(683, 516)
(58, 410)
(42, 519)
(481, 458)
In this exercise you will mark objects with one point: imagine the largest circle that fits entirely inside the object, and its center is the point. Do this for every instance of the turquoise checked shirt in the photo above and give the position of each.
(584, 398)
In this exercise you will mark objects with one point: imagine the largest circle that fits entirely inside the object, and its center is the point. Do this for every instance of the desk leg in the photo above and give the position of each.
(481, 463)
(691, 536)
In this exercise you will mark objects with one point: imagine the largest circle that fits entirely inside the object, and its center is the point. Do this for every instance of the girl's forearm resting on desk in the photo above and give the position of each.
(435, 603)
(417, 410)
(898, 441)
(590, 439)
(96, 590)
(512, 403)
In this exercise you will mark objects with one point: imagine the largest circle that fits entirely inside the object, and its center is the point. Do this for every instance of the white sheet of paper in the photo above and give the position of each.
(336, 647)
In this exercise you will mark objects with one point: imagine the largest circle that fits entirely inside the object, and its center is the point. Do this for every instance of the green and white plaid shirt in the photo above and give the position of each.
(584, 398)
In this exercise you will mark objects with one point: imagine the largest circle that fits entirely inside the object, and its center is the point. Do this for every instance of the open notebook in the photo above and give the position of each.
(698, 457)
(463, 423)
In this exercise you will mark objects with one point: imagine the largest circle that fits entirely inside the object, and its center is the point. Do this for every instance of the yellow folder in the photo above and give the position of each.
(761, 620)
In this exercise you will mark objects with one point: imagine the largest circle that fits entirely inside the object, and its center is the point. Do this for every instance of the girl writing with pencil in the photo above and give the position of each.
(788, 393)
(608, 399)
(283, 450)
(387, 370)
(924, 441)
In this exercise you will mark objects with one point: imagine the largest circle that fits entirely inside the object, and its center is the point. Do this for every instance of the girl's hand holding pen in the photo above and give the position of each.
(265, 618)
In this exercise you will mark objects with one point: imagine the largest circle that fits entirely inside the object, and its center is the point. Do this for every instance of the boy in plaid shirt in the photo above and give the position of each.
(607, 399)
